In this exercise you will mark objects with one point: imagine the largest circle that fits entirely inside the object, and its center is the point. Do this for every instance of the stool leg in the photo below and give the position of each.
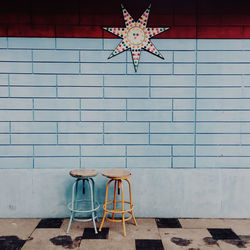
(92, 203)
(105, 203)
(93, 185)
(123, 215)
(114, 202)
(130, 196)
(74, 190)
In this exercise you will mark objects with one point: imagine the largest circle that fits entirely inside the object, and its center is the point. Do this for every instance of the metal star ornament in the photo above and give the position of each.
(136, 36)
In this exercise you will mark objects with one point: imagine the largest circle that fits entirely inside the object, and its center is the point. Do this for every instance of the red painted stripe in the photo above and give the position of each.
(220, 32)
(78, 31)
(18, 30)
(15, 18)
(88, 31)
(179, 32)
(75, 18)
(55, 18)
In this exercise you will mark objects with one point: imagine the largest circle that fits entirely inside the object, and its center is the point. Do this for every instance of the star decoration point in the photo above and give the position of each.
(135, 36)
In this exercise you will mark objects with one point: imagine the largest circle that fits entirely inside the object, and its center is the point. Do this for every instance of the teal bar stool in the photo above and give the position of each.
(78, 206)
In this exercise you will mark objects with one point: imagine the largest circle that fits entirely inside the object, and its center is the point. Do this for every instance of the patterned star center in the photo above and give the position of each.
(136, 36)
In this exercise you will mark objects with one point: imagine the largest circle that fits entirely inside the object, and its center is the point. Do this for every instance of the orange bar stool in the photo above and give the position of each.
(118, 175)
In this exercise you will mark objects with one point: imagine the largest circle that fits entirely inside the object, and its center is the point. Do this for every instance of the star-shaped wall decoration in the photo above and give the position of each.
(136, 36)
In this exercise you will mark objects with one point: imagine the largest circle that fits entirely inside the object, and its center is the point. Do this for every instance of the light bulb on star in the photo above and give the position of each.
(136, 36)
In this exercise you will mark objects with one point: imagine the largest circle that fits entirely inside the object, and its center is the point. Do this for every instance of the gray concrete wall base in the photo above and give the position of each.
(207, 193)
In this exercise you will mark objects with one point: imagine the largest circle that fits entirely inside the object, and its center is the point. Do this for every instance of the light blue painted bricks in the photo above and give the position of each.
(63, 104)
(183, 122)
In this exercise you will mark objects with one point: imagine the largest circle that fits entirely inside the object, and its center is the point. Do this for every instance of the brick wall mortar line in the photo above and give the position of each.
(80, 156)
(79, 61)
(172, 159)
(173, 62)
(149, 86)
(8, 85)
(33, 155)
(126, 62)
(56, 86)
(80, 108)
(172, 109)
(32, 60)
(57, 133)
(149, 133)
(195, 104)
(33, 109)
(103, 133)
(126, 110)
(10, 132)
(126, 156)
(103, 87)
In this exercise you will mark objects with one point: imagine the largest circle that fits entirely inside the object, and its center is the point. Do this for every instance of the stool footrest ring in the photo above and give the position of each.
(119, 220)
(118, 211)
(97, 205)
(84, 220)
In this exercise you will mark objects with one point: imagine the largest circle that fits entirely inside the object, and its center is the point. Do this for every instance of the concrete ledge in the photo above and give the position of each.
(210, 193)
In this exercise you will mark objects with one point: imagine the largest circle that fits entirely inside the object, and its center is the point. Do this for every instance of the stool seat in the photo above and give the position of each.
(116, 173)
(83, 173)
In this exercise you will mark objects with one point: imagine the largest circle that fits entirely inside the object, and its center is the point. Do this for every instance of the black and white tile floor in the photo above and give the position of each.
(150, 234)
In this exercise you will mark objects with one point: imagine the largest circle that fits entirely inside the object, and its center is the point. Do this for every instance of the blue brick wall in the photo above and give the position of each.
(64, 105)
